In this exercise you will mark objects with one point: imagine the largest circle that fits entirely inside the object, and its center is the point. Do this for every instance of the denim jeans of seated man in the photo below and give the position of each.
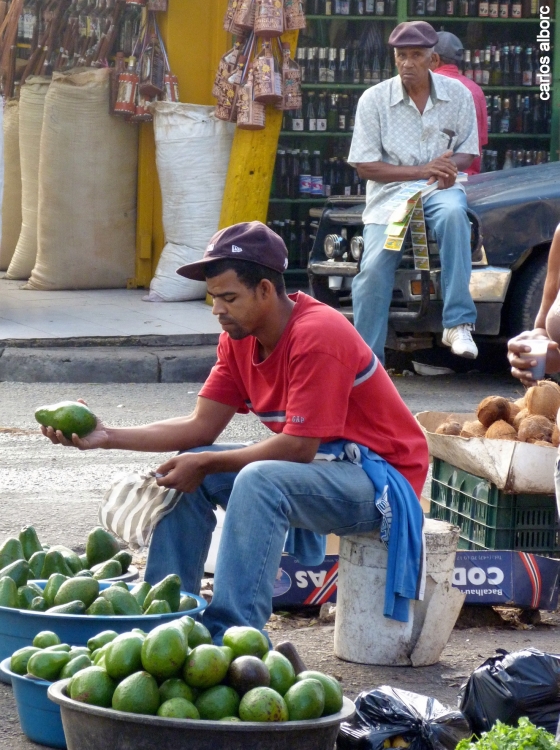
(372, 288)
(262, 501)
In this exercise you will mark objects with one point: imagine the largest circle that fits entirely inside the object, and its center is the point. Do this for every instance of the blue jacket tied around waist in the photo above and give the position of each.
(401, 528)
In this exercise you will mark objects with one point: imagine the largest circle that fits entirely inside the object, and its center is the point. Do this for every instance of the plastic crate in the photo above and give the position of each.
(490, 518)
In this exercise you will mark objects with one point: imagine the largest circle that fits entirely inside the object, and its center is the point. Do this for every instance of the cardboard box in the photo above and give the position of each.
(518, 579)
(300, 585)
(513, 467)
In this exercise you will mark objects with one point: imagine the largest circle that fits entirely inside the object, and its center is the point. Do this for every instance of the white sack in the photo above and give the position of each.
(87, 188)
(192, 154)
(31, 108)
(11, 198)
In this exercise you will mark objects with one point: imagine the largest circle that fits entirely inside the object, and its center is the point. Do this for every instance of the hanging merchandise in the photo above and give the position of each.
(136, 2)
(291, 81)
(171, 83)
(127, 91)
(86, 227)
(269, 20)
(31, 108)
(192, 154)
(250, 114)
(116, 72)
(244, 16)
(157, 5)
(226, 108)
(11, 198)
(268, 76)
(226, 66)
(294, 15)
(152, 68)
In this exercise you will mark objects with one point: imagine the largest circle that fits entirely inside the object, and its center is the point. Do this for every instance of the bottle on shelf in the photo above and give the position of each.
(297, 120)
(332, 65)
(310, 123)
(483, 8)
(508, 161)
(419, 7)
(328, 7)
(504, 9)
(375, 69)
(322, 113)
(354, 108)
(463, 8)
(301, 59)
(343, 70)
(507, 76)
(505, 120)
(293, 172)
(323, 65)
(496, 70)
(312, 64)
(367, 72)
(486, 67)
(517, 70)
(344, 113)
(387, 71)
(468, 71)
(526, 115)
(527, 73)
(316, 175)
(342, 7)
(451, 7)
(332, 113)
(305, 175)
(369, 7)
(358, 8)
(477, 68)
(496, 114)
(516, 11)
(280, 187)
(493, 9)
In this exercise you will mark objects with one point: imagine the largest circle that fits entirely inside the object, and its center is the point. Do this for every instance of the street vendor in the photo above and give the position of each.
(547, 324)
(415, 126)
(302, 369)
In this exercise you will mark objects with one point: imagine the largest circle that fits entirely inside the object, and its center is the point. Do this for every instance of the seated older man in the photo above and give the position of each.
(411, 127)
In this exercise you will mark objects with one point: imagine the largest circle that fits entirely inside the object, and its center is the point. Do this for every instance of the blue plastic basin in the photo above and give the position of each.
(39, 717)
(18, 627)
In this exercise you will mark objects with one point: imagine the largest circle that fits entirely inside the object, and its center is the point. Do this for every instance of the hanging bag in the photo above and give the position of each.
(268, 77)
(134, 505)
(294, 15)
(269, 20)
(250, 114)
(244, 17)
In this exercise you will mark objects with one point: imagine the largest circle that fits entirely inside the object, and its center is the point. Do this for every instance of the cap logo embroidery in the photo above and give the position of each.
(209, 248)
(235, 249)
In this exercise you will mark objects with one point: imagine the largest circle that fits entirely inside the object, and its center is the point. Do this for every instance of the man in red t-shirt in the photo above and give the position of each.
(447, 55)
(309, 377)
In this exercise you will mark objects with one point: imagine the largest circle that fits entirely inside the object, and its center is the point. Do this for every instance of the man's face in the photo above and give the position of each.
(413, 64)
(238, 309)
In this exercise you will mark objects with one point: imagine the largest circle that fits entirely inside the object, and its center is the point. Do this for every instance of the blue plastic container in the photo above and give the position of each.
(18, 627)
(39, 717)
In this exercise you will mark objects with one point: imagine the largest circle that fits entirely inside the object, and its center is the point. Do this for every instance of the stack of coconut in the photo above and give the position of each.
(531, 419)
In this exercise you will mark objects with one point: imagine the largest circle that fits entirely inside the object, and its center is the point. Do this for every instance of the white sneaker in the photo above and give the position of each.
(460, 340)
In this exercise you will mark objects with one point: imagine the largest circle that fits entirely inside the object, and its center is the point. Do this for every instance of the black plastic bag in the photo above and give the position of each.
(508, 686)
(386, 713)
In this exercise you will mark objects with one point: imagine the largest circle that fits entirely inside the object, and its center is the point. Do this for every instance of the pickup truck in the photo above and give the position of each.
(513, 216)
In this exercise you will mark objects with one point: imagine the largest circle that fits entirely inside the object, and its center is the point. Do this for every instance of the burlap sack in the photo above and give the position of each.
(192, 154)
(87, 188)
(31, 107)
(11, 199)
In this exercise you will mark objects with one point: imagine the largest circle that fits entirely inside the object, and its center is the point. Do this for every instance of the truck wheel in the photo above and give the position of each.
(319, 288)
(525, 294)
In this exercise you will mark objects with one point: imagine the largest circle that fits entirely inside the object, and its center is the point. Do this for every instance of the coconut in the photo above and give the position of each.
(473, 429)
(542, 443)
(491, 409)
(544, 399)
(501, 430)
(519, 418)
(514, 410)
(555, 439)
(535, 427)
(521, 402)
(449, 428)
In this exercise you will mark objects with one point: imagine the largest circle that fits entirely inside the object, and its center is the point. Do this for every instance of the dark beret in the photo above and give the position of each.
(413, 34)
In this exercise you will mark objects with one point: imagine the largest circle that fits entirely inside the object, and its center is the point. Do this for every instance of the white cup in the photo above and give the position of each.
(539, 349)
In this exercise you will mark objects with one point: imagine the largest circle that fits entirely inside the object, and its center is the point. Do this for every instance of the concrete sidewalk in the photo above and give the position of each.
(103, 336)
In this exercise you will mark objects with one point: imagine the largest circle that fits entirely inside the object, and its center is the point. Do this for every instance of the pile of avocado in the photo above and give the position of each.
(176, 672)
(72, 586)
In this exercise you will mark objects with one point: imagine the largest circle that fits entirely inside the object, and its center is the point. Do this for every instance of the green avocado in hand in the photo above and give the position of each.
(69, 417)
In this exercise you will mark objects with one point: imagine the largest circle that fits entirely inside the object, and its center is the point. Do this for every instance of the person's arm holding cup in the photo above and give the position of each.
(531, 354)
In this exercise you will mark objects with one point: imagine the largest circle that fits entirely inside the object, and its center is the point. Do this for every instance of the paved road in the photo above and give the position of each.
(58, 490)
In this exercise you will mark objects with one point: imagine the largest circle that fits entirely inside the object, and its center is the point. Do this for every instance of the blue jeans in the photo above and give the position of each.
(372, 288)
(262, 501)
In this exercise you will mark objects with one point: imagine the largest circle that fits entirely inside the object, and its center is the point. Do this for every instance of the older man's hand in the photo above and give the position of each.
(442, 169)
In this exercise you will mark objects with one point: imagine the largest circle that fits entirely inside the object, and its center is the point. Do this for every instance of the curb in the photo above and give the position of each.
(106, 364)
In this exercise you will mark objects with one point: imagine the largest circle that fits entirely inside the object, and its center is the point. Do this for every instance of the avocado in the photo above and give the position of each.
(123, 656)
(124, 558)
(18, 571)
(70, 608)
(71, 558)
(18, 662)
(36, 562)
(84, 561)
(29, 542)
(107, 569)
(140, 592)
(67, 416)
(46, 638)
(92, 685)
(263, 704)
(100, 608)
(59, 647)
(246, 673)
(187, 623)
(100, 546)
(10, 551)
(137, 694)
(53, 584)
(38, 604)
(101, 639)
(123, 602)
(218, 702)
(84, 589)
(84, 574)
(82, 661)
(55, 563)
(8, 593)
(178, 708)
(333, 690)
(99, 654)
(199, 634)
(25, 596)
(164, 651)
(158, 607)
(282, 674)
(47, 665)
(205, 666)
(120, 585)
(246, 641)
(305, 700)
(187, 602)
(168, 589)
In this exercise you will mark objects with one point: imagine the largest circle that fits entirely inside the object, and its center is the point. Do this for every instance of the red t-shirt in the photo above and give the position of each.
(452, 71)
(321, 381)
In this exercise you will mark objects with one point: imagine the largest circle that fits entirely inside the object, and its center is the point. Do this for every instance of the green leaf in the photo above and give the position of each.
(526, 736)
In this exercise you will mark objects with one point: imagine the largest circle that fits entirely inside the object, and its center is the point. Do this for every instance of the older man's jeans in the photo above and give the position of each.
(372, 288)
(262, 501)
